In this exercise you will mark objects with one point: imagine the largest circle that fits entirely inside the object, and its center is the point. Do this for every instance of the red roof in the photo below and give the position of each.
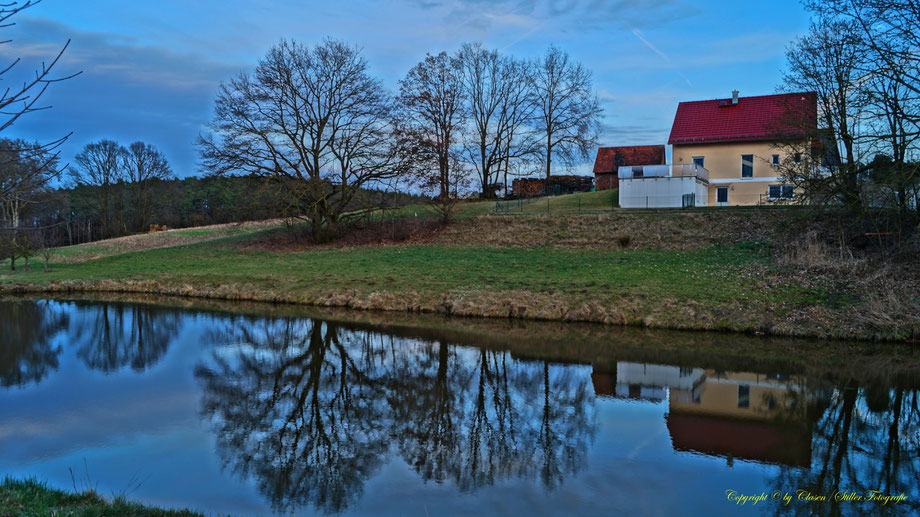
(766, 117)
(610, 158)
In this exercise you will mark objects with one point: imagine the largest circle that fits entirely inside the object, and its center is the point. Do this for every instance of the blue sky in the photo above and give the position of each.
(151, 69)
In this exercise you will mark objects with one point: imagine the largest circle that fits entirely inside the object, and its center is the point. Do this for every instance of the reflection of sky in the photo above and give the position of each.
(146, 427)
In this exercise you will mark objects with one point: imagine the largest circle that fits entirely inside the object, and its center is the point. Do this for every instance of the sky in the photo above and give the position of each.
(150, 70)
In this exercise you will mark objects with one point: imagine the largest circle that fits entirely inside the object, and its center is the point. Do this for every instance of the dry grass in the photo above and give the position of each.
(149, 241)
(674, 231)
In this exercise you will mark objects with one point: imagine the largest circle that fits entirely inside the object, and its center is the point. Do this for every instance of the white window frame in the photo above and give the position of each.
(702, 160)
(742, 166)
(774, 160)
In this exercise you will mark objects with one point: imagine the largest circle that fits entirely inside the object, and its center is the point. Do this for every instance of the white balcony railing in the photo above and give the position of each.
(663, 171)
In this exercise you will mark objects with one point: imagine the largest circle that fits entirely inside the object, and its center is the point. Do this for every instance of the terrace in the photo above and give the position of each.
(691, 170)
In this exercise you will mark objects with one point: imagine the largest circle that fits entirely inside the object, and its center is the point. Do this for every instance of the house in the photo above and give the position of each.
(723, 152)
(610, 159)
(739, 142)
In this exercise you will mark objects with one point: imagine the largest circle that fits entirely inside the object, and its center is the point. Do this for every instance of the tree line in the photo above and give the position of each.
(113, 190)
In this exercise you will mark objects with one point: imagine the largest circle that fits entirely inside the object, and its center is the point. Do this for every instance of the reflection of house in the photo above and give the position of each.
(610, 159)
(751, 416)
(649, 382)
(743, 415)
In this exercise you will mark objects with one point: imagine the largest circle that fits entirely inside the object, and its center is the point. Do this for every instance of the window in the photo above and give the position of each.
(638, 172)
(744, 396)
(747, 165)
(775, 161)
(722, 195)
(699, 160)
(797, 157)
(778, 192)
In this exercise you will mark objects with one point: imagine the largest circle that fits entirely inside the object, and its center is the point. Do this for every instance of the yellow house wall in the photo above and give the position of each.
(723, 161)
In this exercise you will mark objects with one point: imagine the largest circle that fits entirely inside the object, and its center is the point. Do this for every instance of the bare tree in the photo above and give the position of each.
(18, 101)
(102, 165)
(48, 238)
(500, 102)
(311, 121)
(890, 29)
(26, 172)
(431, 100)
(828, 61)
(26, 167)
(894, 115)
(144, 165)
(520, 143)
(568, 114)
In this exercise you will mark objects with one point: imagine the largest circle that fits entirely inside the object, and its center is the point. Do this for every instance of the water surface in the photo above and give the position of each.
(255, 412)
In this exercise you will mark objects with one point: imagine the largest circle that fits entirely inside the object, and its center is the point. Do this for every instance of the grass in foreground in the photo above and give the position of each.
(35, 499)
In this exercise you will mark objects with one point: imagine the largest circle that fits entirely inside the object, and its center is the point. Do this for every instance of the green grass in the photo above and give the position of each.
(434, 272)
(35, 499)
(601, 200)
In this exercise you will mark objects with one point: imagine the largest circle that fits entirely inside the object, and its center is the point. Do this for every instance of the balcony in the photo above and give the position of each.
(691, 170)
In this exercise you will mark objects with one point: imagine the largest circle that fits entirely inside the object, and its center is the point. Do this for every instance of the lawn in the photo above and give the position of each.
(611, 268)
(612, 285)
(584, 202)
(35, 499)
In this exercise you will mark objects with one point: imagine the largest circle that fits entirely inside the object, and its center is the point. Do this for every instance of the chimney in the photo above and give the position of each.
(734, 96)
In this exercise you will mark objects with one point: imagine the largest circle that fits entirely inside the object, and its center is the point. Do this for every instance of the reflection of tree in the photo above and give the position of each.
(476, 417)
(27, 354)
(293, 409)
(309, 410)
(860, 441)
(112, 336)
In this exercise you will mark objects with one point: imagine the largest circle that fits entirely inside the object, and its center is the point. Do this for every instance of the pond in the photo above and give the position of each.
(251, 410)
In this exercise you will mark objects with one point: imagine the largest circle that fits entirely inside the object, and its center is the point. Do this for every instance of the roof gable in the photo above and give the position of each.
(609, 159)
(766, 117)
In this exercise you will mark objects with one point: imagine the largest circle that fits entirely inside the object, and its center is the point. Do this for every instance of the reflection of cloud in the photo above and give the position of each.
(55, 431)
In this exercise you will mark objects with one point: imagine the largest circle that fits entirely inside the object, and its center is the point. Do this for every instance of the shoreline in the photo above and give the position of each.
(588, 311)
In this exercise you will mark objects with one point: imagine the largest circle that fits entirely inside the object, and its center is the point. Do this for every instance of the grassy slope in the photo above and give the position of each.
(34, 499)
(542, 267)
(588, 201)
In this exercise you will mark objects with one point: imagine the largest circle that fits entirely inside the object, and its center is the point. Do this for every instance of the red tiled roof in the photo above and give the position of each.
(610, 158)
(754, 118)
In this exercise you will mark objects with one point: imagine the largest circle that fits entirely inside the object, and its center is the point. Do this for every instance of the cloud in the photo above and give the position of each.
(568, 14)
(126, 90)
